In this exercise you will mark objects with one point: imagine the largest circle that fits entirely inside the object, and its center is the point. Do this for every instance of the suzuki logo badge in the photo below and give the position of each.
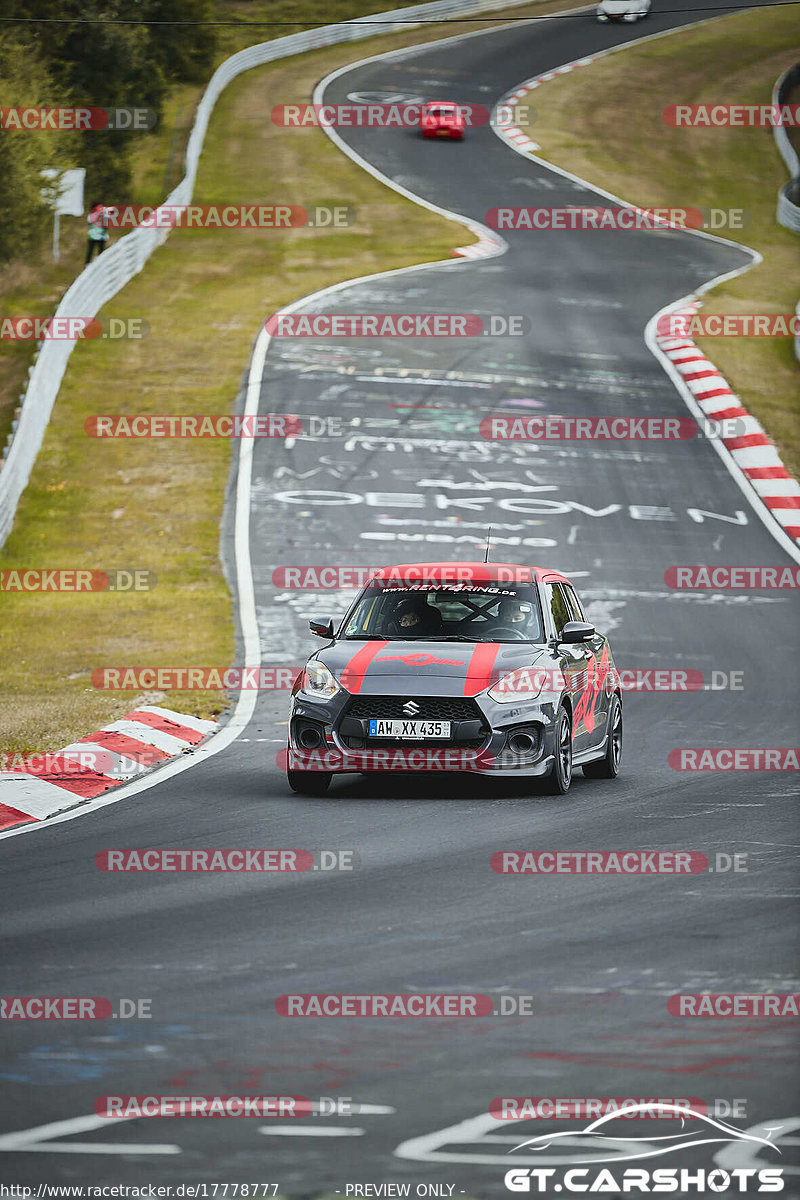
(410, 708)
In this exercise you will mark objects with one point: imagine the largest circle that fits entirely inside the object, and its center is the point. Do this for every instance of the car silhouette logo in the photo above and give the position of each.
(410, 708)
(627, 1151)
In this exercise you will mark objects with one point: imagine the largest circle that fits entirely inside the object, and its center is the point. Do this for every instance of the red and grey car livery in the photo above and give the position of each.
(487, 667)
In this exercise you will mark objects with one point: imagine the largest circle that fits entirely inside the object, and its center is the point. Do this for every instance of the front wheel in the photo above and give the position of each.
(560, 777)
(309, 783)
(607, 767)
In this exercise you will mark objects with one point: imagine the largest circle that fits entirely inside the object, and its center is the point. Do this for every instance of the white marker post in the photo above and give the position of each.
(65, 195)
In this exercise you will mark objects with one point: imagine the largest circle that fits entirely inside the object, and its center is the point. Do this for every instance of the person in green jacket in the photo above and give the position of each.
(98, 233)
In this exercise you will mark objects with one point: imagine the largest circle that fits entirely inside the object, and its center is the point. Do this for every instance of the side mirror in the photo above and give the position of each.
(576, 631)
(322, 626)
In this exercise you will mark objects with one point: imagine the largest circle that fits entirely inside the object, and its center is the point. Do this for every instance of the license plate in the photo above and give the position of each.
(409, 729)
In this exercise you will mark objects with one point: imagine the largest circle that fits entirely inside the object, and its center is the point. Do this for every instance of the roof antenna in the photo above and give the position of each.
(488, 536)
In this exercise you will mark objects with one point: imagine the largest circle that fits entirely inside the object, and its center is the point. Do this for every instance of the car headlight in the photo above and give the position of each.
(526, 683)
(318, 682)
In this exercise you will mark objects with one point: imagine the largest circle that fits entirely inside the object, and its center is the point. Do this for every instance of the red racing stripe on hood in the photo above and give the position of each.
(479, 672)
(352, 676)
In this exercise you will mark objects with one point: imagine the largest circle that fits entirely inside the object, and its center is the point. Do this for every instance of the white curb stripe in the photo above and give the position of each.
(148, 736)
(197, 723)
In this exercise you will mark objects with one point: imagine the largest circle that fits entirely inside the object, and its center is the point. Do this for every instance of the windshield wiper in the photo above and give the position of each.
(449, 637)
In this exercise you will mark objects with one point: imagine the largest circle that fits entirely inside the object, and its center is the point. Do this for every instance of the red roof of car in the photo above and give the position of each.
(464, 572)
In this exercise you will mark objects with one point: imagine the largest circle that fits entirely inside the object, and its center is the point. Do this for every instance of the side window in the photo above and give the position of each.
(558, 606)
(574, 604)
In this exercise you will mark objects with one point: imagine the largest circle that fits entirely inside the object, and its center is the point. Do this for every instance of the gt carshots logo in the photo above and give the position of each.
(698, 1129)
(638, 1179)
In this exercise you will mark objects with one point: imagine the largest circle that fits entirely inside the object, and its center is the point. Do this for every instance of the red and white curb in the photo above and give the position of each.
(147, 737)
(751, 457)
(487, 245)
(512, 134)
(751, 450)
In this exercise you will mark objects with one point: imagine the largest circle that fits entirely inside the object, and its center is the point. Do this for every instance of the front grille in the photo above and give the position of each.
(431, 708)
(469, 730)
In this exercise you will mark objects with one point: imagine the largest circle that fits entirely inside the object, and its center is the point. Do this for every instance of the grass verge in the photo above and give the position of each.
(34, 286)
(604, 122)
(157, 504)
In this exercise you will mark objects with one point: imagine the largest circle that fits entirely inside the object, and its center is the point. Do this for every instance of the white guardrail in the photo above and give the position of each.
(103, 278)
(789, 195)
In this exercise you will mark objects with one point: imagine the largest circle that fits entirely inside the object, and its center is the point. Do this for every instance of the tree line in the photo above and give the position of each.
(81, 58)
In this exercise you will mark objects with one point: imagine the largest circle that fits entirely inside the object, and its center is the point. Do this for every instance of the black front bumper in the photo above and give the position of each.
(334, 735)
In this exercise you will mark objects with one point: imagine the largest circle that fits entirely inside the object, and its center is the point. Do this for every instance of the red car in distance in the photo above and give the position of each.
(442, 118)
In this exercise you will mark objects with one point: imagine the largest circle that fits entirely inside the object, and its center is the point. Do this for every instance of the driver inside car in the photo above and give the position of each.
(415, 618)
(515, 613)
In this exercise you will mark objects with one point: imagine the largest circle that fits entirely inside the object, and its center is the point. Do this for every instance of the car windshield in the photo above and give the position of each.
(494, 612)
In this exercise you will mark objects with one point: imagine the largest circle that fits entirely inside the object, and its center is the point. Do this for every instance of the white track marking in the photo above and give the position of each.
(427, 1147)
(39, 1140)
(311, 1131)
(745, 1154)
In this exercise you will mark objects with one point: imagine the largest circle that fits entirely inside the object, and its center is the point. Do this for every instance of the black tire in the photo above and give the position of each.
(560, 777)
(607, 767)
(309, 783)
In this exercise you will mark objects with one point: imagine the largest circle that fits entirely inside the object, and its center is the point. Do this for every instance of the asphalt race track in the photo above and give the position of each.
(410, 478)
